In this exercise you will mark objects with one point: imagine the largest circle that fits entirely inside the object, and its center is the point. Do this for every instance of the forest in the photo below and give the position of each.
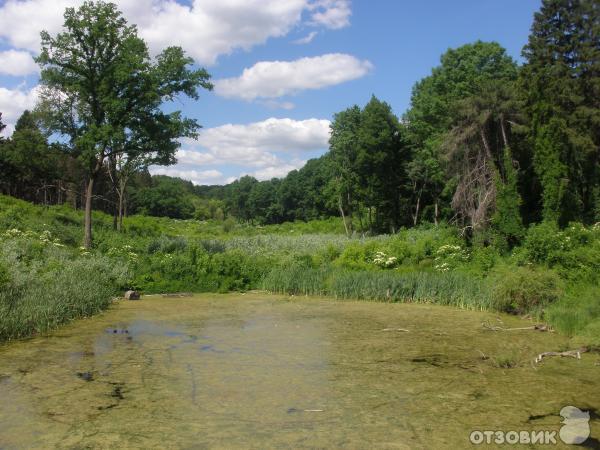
(484, 194)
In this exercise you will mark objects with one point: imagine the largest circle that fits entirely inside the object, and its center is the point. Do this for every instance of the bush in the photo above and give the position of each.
(228, 225)
(541, 241)
(167, 244)
(521, 290)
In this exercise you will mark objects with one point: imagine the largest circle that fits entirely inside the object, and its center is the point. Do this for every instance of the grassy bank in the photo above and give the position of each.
(47, 279)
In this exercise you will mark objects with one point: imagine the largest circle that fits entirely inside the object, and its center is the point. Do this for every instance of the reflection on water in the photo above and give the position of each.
(256, 371)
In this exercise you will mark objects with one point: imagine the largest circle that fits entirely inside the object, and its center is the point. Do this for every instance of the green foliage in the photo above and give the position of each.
(43, 284)
(562, 86)
(419, 287)
(552, 172)
(166, 197)
(228, 225)
(573, 252)
(369, 157)
(103, 92)
(506, 220)
(578, 313)
(168, 255)
(524, 290)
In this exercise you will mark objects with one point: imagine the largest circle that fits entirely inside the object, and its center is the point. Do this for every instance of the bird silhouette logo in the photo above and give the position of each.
(576, 425)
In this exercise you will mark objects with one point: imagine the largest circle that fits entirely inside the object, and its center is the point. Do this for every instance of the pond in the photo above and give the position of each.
(262, 371)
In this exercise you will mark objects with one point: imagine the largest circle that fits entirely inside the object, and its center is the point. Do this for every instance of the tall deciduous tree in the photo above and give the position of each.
(104, 92)
(381, 165)
(343, 148)
(435, 107)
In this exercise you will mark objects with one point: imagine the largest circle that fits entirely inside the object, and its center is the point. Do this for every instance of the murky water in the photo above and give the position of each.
(258, 371)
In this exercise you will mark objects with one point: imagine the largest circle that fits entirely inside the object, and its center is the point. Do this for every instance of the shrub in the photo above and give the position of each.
(541, 240)
(523, 290)
(228, 225)
(167, 244)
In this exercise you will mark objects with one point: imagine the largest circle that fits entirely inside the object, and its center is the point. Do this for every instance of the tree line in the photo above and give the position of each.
(486, 143)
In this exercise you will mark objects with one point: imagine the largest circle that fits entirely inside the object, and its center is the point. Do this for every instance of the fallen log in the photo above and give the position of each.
(569, 353)
(537, 327)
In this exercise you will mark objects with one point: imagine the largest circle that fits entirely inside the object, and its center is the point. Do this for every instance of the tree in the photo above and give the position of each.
(381, 166)
(478, 146)
(561, 78)
(435, 106)
(166, 197)
(102, 90)
(368, 157)
(343, 149)
(238, 202)
(29, 167)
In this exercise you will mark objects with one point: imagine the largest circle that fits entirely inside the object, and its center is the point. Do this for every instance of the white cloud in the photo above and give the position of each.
(22, 21)
(272, 79)
(306, 39)
(17, 63)
(192, 157)
(195, 176)
(204, 28)
(277, 171)
(281, 135)
(12, 104)
(332, 14)
(263, 147)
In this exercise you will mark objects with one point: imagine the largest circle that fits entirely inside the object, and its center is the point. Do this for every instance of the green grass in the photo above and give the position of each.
(453, 289)
(43, 286)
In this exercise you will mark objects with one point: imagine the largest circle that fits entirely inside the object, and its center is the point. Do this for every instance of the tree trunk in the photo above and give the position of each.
(350, 214)
(486, 145)
(115, 216)
(504, 135)
(120, 218)
(417, 208)
(435, 215)
(343, 216)
(87, 235)
(87, 240)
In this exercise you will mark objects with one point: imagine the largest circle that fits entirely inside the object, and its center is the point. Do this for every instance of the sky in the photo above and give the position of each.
(281, 68)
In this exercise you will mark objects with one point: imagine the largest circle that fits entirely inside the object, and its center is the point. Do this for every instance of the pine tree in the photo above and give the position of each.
(562, 81)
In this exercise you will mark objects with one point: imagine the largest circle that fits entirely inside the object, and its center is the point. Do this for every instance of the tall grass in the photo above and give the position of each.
(578, 313)
(43, 287)
(419, 287)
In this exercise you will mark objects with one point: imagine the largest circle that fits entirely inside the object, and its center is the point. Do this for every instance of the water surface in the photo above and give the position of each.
(259, 371)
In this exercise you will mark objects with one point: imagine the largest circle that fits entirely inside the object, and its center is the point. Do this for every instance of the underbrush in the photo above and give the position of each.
(43, 285)
(552, 276)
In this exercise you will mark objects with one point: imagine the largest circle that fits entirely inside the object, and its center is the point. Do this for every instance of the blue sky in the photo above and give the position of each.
(281, 68)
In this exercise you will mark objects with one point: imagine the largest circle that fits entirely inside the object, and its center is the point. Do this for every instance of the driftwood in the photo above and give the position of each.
(178, 295)
(537, 327)
(395, 329)
(569, 353)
